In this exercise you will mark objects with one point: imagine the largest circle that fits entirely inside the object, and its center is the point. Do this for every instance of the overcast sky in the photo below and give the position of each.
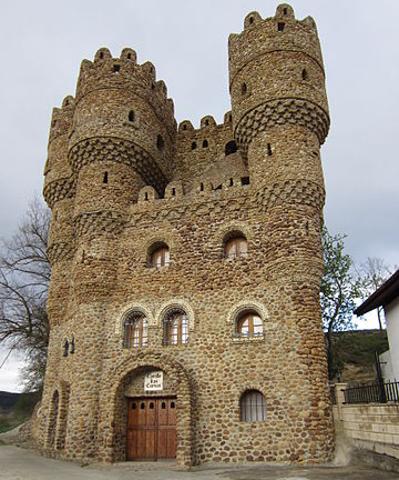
(44, 41)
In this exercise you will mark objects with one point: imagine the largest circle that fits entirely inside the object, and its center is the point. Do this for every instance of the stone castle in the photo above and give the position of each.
(186, 263)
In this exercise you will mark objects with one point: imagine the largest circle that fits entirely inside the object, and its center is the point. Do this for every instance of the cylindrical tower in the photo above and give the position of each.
(122, 138)
(59, 192)
(280, 116)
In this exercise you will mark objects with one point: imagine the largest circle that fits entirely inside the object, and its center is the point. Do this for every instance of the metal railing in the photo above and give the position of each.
(379, 392)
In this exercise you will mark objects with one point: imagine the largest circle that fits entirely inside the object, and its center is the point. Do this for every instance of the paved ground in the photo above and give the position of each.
(21, 464)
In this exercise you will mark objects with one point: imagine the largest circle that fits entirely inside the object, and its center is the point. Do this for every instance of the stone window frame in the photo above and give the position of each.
(241, 308)
(230, 228)
(167, 307)
(122, 317)
(162, 237)
(156, 248)
(143, 339)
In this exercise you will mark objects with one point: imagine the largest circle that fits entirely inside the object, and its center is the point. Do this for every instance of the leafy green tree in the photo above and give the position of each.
(340, 288)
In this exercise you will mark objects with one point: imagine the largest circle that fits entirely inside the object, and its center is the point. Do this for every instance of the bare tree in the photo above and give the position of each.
(24, 278)
(373, 273)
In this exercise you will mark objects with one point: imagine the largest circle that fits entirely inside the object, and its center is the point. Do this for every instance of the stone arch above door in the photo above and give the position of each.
(113, 420)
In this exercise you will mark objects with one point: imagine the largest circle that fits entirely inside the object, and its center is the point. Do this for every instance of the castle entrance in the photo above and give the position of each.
(151, 428)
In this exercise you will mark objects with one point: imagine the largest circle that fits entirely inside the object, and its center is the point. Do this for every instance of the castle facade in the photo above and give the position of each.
(186, 262)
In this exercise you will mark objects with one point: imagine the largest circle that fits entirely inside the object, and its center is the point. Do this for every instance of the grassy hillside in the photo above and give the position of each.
(354, 353)
(16, 408)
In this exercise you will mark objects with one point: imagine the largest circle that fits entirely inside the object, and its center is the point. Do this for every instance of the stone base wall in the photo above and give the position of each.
(371, 429)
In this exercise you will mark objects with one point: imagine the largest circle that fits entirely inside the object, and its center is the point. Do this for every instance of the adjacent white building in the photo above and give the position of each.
(387, 296)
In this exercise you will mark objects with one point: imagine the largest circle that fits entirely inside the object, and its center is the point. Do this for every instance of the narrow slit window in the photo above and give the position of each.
(205, 144)
(160, 143)
(305, 75)
(231, 182)
(285, 11)
(201, 187)
(129, 56)
(193, 145)
(280, 26)
(173, 191)
(131, 116)
(146, 196)
(269, 149)
(101, 55)
(244, 89)
(105, 177)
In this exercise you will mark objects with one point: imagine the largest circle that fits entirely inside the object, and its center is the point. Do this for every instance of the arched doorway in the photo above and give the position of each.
(147, 424)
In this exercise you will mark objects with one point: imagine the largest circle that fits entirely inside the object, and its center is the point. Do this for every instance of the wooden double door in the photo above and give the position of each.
(151, 428)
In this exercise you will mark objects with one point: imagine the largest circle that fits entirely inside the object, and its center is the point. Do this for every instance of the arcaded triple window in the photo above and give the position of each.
(249, 325)
(135, 330)
(252, 406)
(236, 246)
(175, 327)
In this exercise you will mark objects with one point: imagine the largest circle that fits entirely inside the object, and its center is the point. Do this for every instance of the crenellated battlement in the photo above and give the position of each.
(283, 32)
(61, 118)
(107, 72)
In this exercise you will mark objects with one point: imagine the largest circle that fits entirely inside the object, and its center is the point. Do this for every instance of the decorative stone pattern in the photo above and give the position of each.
(99, 222)
(279, 112)
(120, 151)
(59, 190)
(60, 251)
(122, 179)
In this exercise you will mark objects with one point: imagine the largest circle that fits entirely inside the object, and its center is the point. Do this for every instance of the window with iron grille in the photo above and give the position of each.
(252, 406)
(175, 327)
(135, 331)
(249, 325)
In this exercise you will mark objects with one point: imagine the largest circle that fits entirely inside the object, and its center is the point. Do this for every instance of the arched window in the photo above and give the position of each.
(231, 147)
(135, 330)
(159, 255)
(249, 325)
(175, 327)
(235, 246)
(252, 406)
(205, 144)
(193, 145)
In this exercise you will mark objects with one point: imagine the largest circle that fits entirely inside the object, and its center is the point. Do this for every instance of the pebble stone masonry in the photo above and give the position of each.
(119, 182)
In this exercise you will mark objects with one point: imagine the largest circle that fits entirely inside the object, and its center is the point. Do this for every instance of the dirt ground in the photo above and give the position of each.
(21, 464)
